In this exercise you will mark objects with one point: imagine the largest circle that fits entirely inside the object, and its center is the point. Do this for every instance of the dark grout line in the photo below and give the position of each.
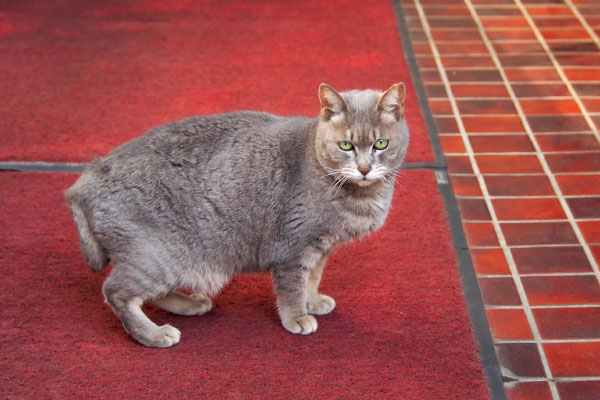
(472, 293)
(41, 167)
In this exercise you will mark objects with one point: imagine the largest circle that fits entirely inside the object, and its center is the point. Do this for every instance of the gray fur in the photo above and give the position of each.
(196, 201)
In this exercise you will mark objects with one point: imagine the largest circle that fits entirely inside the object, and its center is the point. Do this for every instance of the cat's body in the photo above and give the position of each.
(194, 202)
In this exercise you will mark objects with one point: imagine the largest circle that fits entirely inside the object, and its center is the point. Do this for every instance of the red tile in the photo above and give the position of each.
(452, 22)
(508, 164)
(592, 105)
(558, 142)
(540, 90)
(585, 207)
(489, 262)
(532, 74)
(435, 90)
(579, 184)
(557, 22)
(462, 48)
(549, 106)
(528, 185)
(440, 107)
(513, 34)
(596, 252)
(506, 22)
(569, 259)
(549, 10)
(578, 60)
(499, 292)
(465, 185)
(497, 11)
(473, 209)
(426, 62)
(474, 75)
(480, 234)
(493, 124)
(587, 89)
(470, 61)
(486, 107)
(563, 34)
(590, 230)
(459, 165)
(561, 290)
(501, 143)
(521, 359)
(422, 48)
(455, 34)
(452, 144)
(430, 75)
(528, 391)
(573, 46)
(573, 162)
(523, 209)
(557, 123)
(575, 74)
(445, 11)
(525, 60)
(578, 390)
(568, 323)
(509, 324)
(517, 47)
(482, 90)
(536, 233)
(445, 124)
(573, 359)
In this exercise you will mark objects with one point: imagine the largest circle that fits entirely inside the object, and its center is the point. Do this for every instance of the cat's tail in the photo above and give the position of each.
(93, 252)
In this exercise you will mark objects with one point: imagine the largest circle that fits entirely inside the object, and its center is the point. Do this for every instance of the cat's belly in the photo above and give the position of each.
(204, 279)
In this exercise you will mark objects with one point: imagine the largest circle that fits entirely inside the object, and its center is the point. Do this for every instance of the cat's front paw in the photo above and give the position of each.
(161, 336)
(321, 305)
(302, 325)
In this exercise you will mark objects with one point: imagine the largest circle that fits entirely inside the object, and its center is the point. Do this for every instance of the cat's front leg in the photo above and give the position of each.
(316, 303)
(291, 288)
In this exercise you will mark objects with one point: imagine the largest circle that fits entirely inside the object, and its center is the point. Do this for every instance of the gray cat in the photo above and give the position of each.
(194, 202)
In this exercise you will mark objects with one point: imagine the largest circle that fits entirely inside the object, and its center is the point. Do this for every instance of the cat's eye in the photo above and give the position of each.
(380, 144)
(345, 145)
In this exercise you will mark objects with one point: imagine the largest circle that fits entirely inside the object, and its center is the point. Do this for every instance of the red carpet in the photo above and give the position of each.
(81, 77)
(400, 329)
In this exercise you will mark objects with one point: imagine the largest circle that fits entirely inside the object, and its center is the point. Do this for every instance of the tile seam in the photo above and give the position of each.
(583, 22)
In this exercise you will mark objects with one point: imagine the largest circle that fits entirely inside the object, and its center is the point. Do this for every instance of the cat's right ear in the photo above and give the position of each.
(333, 106)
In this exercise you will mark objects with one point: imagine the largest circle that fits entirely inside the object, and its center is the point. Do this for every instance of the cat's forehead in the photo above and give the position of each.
(361, 104)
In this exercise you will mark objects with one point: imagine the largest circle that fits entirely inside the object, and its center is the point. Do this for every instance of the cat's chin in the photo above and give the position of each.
(363, 182)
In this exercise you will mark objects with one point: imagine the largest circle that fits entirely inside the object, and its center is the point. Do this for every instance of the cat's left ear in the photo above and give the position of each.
(333, 105)
(391, 103)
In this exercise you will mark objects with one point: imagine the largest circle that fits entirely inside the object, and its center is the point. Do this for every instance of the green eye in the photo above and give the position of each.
(345, 145)
(381, 144)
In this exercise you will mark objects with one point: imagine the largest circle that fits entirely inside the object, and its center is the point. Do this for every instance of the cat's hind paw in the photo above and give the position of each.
(163, 336)
(302, 325)
(321, 305)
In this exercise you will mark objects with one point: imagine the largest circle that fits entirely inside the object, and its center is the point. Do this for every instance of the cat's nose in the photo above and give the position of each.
(364, 171)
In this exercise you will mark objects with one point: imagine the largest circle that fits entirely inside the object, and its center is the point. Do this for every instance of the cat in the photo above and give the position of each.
(194, 202)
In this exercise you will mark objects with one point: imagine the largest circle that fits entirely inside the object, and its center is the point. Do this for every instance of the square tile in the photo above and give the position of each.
(486, 107)
(590, 230)
(499, 292)
(588, 184)
(536, 233)
(508, 164)
(526, 185)
(480, 234)
(561, 290)
(566, 259)
(585, 207)
(479, 91)
(527, 391)
(508, 324)
(557, 123)
(568, 323)
(573, 162)
(501, 143)
(492, 124)
(549, 106)
(452, 144)
(558, 142)
(523, 209)
(540, 90)
(521, 359)
(465, 185)
(573, 359)
(489, 262)
(473, 209)
(578, 390)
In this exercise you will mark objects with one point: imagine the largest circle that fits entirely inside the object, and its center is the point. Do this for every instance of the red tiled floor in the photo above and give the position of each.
(568, 323)
(465, 186)
(481, 90)
(565, 259)
(480, 234)
(508, 164)
(581, 390)
(540, 89)
(537, 233)
(560, 142)
(459, 165)
(521, 359)
(486, 107)
(489, 262)
(507, 185)
(499, 144)
(557, 123)
(590, 230)
(574, 162)
(517, 209)
(558, 290)
(548, 106)
(445, 124)
(573, 359)
(479, 124)
(473, 209)
(499, 292)
(508, 324)
(528, 391)
(588, 184)
(452, 144)
(585, 207)
(532, 74)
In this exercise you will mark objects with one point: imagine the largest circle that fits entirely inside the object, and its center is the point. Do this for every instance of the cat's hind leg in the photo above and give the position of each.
(126, 298)
(183, 304)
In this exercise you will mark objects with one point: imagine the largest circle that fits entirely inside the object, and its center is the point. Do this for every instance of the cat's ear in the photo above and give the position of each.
(333, 106)
(391, 103)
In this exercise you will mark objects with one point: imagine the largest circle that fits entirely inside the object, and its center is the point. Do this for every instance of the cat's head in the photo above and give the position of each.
(362, 136)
